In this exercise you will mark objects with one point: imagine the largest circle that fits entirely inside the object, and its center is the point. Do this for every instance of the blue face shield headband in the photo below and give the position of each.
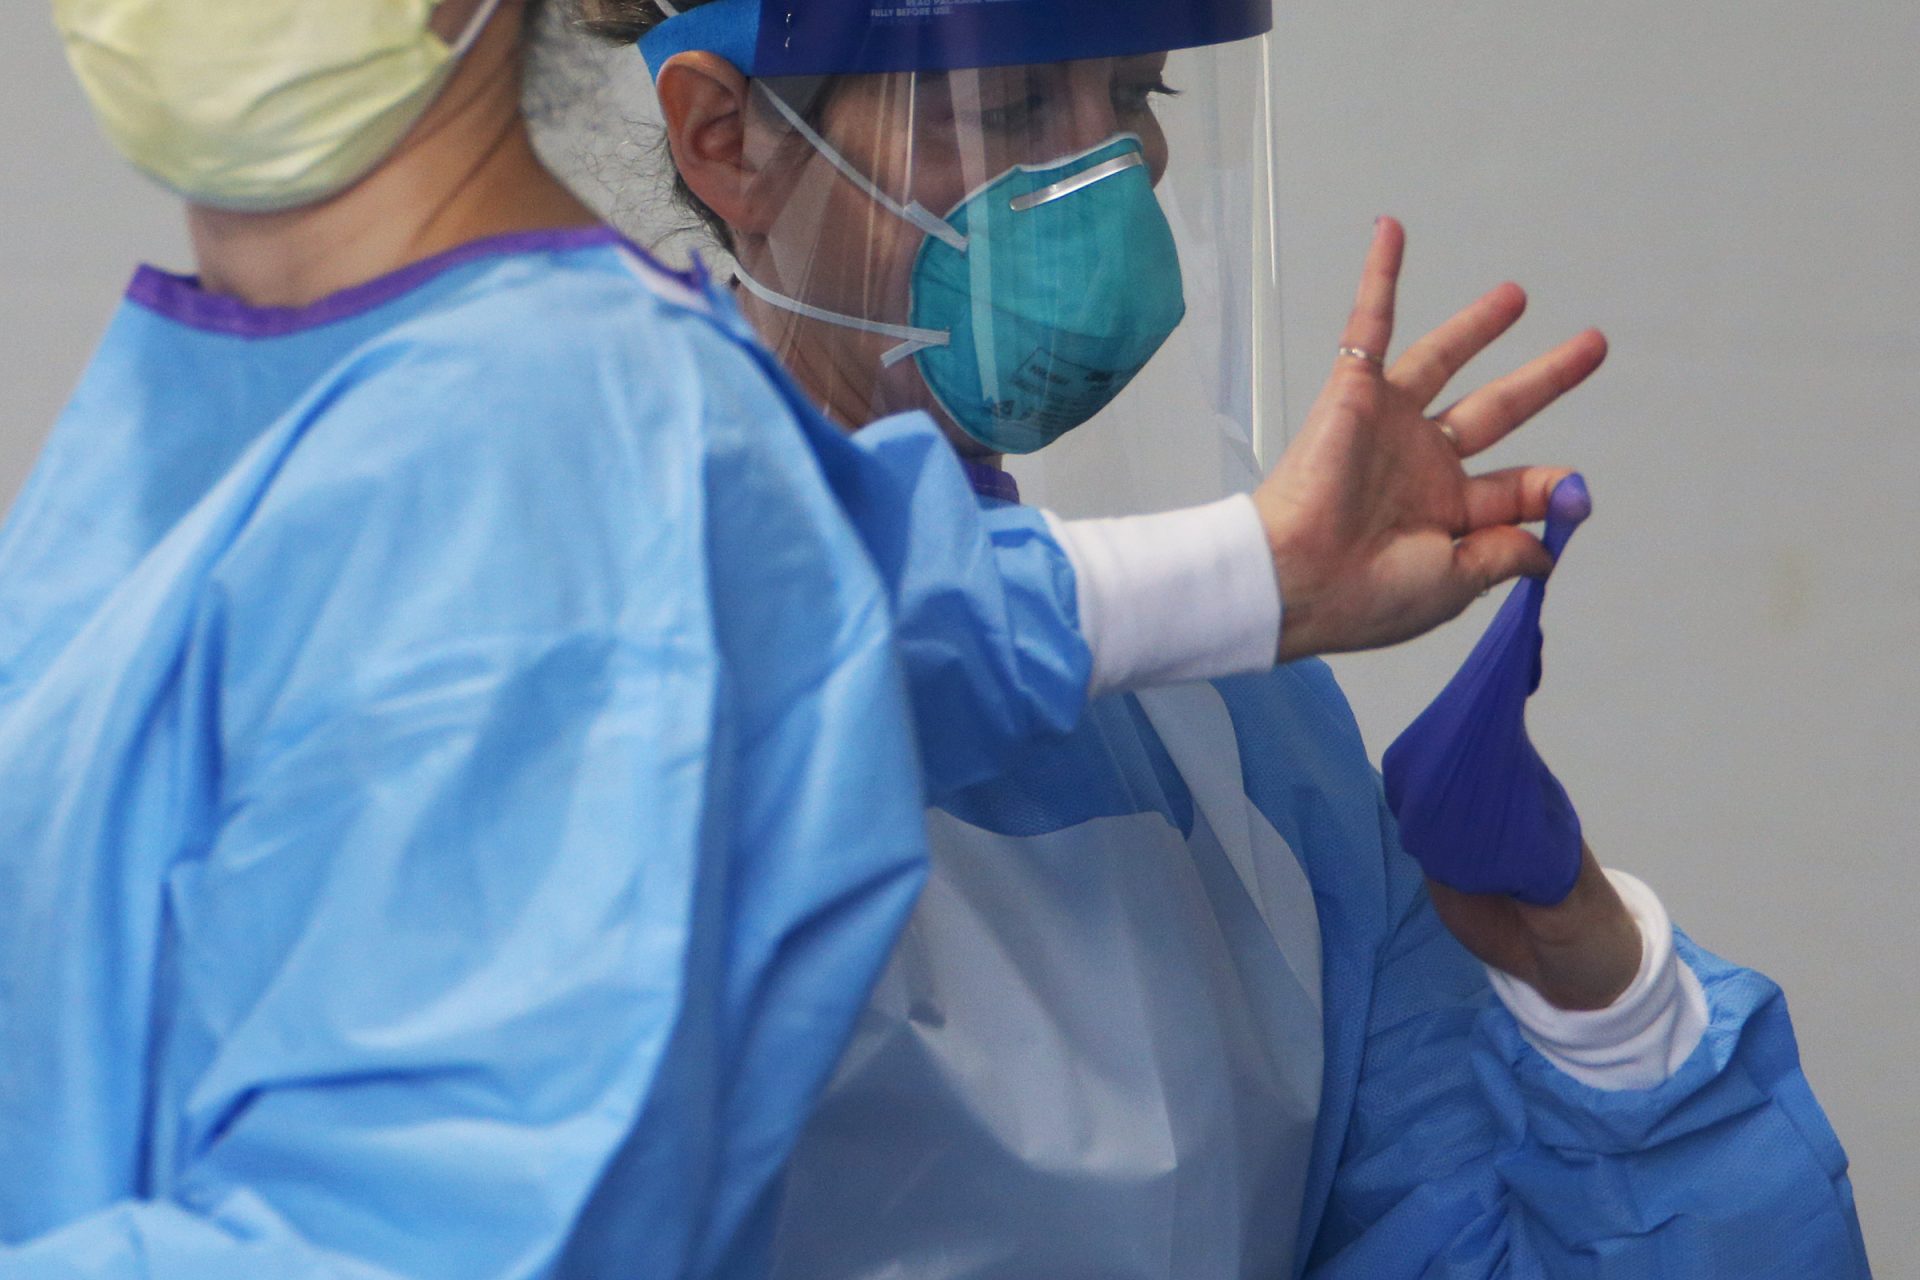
(846, 37)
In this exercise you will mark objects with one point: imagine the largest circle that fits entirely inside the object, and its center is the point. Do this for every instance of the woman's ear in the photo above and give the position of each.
(707, 105)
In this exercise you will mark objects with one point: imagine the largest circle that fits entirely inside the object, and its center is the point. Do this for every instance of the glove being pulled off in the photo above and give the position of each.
(1477, 806)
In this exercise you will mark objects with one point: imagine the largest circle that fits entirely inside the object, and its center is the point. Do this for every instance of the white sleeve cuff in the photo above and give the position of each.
(1186, 595)
(1639, 1040)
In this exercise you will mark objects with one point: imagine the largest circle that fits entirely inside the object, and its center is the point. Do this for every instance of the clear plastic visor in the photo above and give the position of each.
(1071, 266)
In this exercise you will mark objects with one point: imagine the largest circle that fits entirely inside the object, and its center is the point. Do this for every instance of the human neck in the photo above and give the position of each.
(466, 171)
(845, 399)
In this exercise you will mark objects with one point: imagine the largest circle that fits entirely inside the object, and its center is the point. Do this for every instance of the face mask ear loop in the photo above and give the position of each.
(475, 25)
(914, 213)
(913, 341)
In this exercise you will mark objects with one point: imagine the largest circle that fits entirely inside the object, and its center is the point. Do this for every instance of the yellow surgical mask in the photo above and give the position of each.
(259, 105)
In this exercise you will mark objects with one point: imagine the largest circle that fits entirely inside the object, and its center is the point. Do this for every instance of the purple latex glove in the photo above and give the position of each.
(1477, 806)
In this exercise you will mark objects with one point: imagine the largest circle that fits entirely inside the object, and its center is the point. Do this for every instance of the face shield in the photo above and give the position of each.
(1047, 223)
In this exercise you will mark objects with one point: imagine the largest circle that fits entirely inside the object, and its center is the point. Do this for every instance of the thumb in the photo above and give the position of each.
(1485, 559)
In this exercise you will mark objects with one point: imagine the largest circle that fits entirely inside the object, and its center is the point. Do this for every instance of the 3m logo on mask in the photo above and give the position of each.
(1049, 395)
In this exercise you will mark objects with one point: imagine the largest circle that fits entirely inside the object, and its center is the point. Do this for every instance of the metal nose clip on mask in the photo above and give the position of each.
(1036, 299)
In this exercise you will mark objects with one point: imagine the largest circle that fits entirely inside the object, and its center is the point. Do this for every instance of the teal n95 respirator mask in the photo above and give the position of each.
(1036, 299)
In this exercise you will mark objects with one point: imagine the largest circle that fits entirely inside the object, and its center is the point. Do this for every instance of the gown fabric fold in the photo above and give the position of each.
(461, 778)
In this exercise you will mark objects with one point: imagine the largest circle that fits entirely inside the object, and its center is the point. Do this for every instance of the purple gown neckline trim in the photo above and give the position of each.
(991, 482)
(182, 299)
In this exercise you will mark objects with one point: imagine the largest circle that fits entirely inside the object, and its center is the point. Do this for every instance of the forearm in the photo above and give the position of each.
(1639, 1038)
(1579, 954)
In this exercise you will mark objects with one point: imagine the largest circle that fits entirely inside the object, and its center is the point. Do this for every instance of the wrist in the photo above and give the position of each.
(1645, 1035)
(1292, 562)
(1582, 953)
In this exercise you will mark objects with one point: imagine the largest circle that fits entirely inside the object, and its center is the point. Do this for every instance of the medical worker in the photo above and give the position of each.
(1176, 1004)
(460, 779)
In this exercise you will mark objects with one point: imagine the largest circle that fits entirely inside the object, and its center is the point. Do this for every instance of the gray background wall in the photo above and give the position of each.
(1730, 190)
(1733, 691)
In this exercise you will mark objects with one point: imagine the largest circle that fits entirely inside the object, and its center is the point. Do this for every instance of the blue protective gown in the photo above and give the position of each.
(459, 778)
(1176, 1006)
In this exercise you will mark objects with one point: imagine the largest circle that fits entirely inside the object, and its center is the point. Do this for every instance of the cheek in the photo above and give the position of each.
(886, 249)
(832, 246)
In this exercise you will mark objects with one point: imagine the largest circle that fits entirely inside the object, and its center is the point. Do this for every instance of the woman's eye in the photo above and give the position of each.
(1014, 115)
(1136, 98)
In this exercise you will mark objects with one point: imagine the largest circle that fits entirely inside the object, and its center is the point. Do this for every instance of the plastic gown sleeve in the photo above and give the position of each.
(567, 811)
(985, 608)
(1469, 1156)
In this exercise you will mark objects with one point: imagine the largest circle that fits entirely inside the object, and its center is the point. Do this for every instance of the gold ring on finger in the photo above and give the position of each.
(1453, 437)
(1361, 353)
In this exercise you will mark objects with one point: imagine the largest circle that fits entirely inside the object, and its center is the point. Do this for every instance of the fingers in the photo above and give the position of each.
(1490, 414)
(1430, 364)
(1518, 495)
(1370, 327)
(1489, 557)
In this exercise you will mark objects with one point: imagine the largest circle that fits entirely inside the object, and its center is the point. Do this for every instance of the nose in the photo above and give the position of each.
(1092, 117)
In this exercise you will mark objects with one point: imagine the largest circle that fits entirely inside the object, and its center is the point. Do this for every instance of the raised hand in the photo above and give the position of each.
(1378, 532)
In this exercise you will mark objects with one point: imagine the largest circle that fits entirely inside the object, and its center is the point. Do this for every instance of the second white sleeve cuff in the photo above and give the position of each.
(1186, 595)
(1639, 1040)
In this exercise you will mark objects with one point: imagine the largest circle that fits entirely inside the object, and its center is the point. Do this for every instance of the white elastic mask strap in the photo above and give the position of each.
(912, 341)
(667, 9)
(475, 25)
(914, 212)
